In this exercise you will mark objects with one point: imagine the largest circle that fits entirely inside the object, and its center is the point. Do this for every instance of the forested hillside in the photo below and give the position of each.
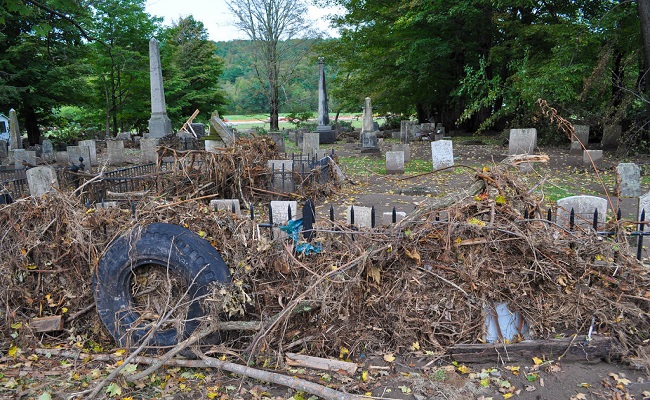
(244, 90)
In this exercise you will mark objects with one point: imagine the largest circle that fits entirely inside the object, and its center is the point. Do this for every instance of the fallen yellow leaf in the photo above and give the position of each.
(537, 361)
(389, 357)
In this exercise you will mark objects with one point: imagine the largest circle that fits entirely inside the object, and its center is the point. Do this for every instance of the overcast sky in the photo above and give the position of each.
(216, 17)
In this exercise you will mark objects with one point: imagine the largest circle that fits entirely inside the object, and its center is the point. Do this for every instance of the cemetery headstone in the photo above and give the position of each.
(15, 140)
(404, 131)
(41, 180)
(368, 125)
(442, 154)
(4, 153)
(310, 143)
(611, 137)
(123, 136)
(280, 211)
(406, 148)
(362, 216)
(583, 207)
(19, 157)
(628, 180)
(47, 151)
(92, 150)
(199, 129)
(644, 204)
(581, 133)
(62, 157)
(76, 152)
(278, 139)
(522, 141)
(159, 123)
(226, 205)
(221, 130)
(115, 152)
(213, 146)
(394, 162)
(148, 150)
(369, 143)
(592, 156)
(327, 135)
(281, 175)
(387, 217)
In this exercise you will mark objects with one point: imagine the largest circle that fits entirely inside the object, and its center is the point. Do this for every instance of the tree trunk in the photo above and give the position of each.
(31, 126)
(644, 16)
(274, 108)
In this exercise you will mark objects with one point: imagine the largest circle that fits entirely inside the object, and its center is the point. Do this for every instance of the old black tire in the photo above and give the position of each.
(170, 246)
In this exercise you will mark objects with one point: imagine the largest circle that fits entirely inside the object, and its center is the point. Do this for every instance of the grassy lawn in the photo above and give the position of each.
(253, 121)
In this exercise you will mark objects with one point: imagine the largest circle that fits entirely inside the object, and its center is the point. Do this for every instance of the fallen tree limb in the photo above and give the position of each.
(300, 360)
(568, 349)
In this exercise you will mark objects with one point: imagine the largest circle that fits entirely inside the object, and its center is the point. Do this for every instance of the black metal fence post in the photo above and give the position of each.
(639, 248)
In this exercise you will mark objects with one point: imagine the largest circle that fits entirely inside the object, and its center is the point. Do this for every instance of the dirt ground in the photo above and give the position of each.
(414, 373)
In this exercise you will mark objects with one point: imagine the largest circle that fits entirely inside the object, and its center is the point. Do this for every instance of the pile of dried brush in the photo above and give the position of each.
(429, 279)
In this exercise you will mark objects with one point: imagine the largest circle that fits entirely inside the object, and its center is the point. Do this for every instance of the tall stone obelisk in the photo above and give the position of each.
(159, 123)
(15, 141)
(326, 134)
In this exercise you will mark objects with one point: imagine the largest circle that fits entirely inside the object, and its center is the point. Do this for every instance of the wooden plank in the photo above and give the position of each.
(47, 324)
(299, 360)
(568, 349)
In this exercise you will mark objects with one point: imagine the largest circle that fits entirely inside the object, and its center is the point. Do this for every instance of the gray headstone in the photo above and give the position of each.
(281, 175)
(115, 152)
(394, 162)
(24, 156)
(213, 146)
(159, 123)
(219, 128)
(199, 129)
(442, 154)
(427, 127)
(4, 152)
(367, 125)
(628, 180)
(107, 204)
(310, 143)
(47, 151)
(148, 150)
(369, 142)
(280, 211)
(581, 133)
(595, 156)
(75, 152)
(92, 150)
(62, 157)
(576, 148)
(278, 139)
(404, 131)
(406, 148)
(387, 217)
(323, 128)
(522, 141)
(362, 216)
(644, 204)
(611, 137)
(41, 180)
(123, 136)
(15, 140)
(583, 207)
(226, 205)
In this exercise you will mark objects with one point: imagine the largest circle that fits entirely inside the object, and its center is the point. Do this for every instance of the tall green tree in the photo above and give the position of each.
(271, 25)
(191, 70)
(120, 59)
(41, 66)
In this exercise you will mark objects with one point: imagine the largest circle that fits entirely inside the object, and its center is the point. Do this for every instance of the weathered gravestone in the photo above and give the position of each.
(394, 162)
(580, 139)
(522, 141)
(77, 152)
(327, 135)
(228, 205)
(148, 150)
(362, 216)
(47, 151)
(92, 150)
(15, 140)
(310, 143)
(24, 158)
(213, 146)
(159, 123)
(278, 139)
(644, 204)
(592, 158)
(628, 180)
(404, 131)
(218, 128)
(281, 175)
(369, 143)
(387, 217)
(406, 148)
(611, 137)
(442, 154)
(280, 211)
(115, 152)
(583, 207)
(41, 180)
(4, 153)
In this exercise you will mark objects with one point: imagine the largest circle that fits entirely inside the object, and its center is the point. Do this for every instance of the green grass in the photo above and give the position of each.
(363, 165)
